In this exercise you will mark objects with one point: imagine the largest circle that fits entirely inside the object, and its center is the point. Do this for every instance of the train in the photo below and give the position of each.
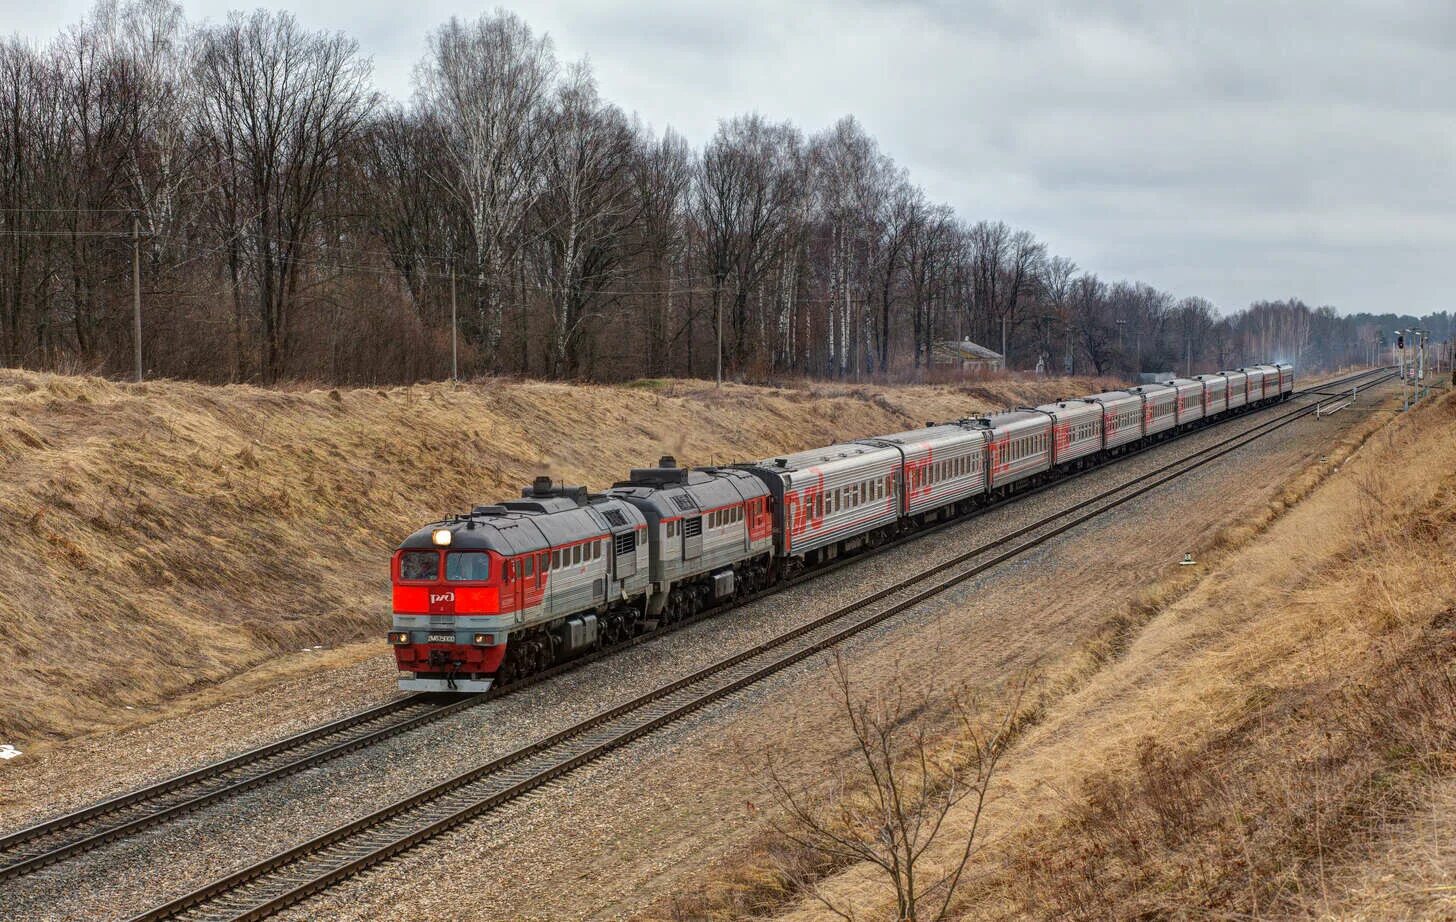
(513, 588)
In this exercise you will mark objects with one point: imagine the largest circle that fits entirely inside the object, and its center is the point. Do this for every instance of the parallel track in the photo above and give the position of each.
(299, 872)
(66, 836)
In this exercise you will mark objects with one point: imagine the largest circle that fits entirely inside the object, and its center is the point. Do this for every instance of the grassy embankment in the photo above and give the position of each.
(1271, 735)
(164, 536)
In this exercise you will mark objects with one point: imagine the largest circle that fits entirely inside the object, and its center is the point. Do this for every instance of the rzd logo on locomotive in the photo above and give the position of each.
(442, 601)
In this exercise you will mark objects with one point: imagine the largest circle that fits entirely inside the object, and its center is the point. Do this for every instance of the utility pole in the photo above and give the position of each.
(718, 317)
(136, 291)
(454, 328)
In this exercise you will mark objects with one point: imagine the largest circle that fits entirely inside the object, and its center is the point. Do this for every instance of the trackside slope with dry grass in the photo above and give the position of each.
(1270, 734)
(162, 535)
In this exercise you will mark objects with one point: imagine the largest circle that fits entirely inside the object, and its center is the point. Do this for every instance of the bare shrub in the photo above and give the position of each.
(888, 804)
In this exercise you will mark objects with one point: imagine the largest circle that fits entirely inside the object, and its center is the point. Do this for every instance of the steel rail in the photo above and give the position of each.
(378, 836)
(83, 830)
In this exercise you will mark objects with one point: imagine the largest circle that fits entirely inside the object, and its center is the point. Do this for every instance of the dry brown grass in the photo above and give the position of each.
(1240, 730)
(1290, 737)
(166, 536)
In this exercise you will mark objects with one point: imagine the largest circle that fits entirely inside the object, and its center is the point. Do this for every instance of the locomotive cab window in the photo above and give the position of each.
(419, 565)
(467, 566)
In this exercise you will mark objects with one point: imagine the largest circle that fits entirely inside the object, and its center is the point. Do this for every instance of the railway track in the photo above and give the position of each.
(291, 876)
(63, 837)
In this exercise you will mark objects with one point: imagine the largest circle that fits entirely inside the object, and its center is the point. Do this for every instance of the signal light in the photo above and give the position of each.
(1400, 342)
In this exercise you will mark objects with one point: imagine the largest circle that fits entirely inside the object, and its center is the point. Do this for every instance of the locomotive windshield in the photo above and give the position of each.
(419, 565)
(467, 566)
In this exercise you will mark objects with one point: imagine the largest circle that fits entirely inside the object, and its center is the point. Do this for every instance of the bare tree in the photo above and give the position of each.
(292, 226)
(888, 804)
(486, 84)
(663, 174)
(744, 194)
(280, 106)
(588, 202)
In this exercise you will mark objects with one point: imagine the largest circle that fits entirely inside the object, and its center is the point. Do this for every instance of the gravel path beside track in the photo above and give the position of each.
(614, 835)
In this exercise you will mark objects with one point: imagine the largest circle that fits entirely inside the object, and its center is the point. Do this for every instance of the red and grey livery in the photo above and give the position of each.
(514, 588)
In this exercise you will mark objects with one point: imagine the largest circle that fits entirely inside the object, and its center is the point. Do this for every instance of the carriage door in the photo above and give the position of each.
(692, 526)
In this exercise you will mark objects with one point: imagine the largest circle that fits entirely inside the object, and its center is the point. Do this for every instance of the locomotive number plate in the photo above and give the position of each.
(440, 638)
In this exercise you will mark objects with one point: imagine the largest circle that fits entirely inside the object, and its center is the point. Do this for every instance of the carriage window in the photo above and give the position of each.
(419, 565)
(556, 560)
(464, 567)
(530, 565)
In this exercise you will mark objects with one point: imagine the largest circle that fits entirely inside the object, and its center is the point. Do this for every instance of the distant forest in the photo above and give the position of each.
(293, 223)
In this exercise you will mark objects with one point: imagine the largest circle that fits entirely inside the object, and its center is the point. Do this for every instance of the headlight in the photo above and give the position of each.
(484, 640)
(441, 536)
(399, 637)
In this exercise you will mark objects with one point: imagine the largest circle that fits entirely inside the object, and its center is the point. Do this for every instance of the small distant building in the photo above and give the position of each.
(965, 354)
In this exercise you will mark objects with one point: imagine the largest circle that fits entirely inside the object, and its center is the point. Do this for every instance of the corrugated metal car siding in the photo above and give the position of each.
(1089, 443)
(954, 489)
(1190, 403)
(1238, 393)
(1127, 419)
(1038, 460)
(846, 523)
(1164, 405)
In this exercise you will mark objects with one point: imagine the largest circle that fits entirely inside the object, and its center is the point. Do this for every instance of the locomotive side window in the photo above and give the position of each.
(419, 565)
(467, 566)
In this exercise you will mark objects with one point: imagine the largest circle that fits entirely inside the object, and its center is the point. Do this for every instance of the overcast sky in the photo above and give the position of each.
(1235, 150)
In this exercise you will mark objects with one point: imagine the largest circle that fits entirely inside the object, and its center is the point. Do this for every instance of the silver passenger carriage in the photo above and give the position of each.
(1122, 417)
(828, 500)
(942, 465)
(1160, 407)
(1076, 429)
(1238, 389)
(1258, 375)
(1286, 378)
(1215, 393)
(1020, 447)
(1190, 399)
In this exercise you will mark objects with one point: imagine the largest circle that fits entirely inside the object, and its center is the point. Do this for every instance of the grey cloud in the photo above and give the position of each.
(1236, 150)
